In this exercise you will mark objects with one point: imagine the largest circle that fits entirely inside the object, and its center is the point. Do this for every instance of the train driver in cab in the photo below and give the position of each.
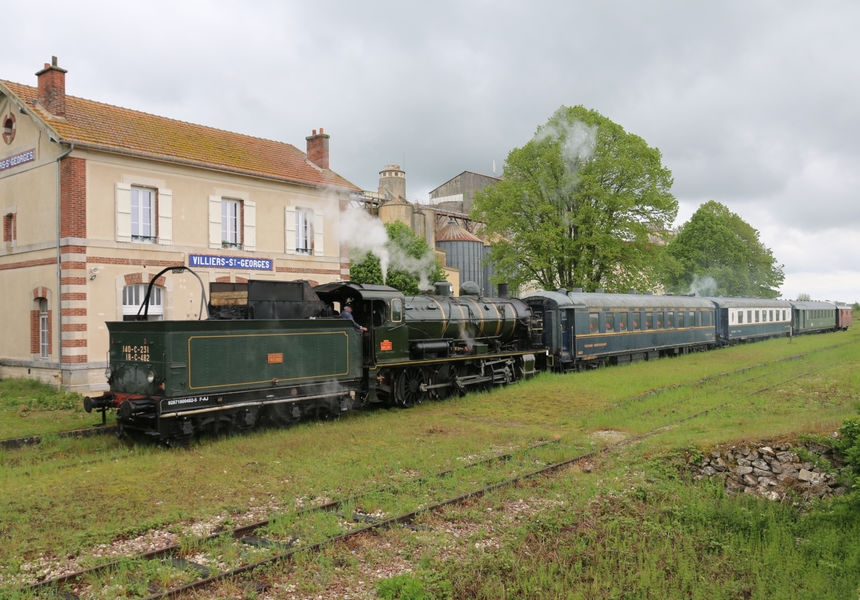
(346, 313)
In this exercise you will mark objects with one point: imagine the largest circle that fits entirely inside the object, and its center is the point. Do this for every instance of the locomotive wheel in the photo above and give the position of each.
(283, 415)
(407, 388)
(442, 374)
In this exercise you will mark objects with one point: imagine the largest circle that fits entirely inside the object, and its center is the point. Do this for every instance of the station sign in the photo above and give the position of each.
(230, 262)
(17, 159)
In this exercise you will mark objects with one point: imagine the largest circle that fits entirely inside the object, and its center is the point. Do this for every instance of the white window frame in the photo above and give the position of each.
(143, 218)
(44, 331)
(231, 223)
(132, 299)
(304, 231)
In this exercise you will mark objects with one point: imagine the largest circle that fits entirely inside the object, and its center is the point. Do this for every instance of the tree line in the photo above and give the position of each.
(586, 204)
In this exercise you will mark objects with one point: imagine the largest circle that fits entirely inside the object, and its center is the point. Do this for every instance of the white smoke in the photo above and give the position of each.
(578, 140)
(703, 286)
(361, 232)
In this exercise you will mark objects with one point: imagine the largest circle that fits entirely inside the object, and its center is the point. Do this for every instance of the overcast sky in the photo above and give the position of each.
(753, 104)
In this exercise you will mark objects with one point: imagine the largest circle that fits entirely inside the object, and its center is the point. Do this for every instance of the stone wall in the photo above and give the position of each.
(791, 471)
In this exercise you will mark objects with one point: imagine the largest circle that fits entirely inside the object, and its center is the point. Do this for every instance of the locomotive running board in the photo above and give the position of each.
(253, 403)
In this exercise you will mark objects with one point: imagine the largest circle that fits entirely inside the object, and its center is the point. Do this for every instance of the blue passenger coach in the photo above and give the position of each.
(589, 329)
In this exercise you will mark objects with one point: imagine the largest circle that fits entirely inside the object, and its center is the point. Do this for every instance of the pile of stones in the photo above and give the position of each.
(776, 472)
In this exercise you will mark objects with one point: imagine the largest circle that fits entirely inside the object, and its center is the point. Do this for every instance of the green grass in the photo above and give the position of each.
(67, 495)
(29, 407)
(650, 533)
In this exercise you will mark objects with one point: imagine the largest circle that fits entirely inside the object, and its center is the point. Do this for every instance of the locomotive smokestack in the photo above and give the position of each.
(503, 290)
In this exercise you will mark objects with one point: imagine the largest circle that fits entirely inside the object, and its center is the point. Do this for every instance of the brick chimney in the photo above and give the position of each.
(52, 88)
(318, 148)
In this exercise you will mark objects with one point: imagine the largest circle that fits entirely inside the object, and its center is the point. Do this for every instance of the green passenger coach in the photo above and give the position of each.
(812, 316)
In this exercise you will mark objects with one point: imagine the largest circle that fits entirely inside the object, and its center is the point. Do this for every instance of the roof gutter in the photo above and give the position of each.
(60, 270)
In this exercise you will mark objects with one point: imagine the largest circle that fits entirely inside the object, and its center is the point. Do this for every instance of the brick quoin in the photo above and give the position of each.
(78, 358)
(74, 343)
(73, 197)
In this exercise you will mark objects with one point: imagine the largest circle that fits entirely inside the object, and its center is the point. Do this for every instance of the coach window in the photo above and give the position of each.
(132, 299)
(637, 321)
(609, 321)
(757, 319)
(397, 310)
(691, 319)
(621, 321)
(649, 320)
(594, 322)
(670, 319)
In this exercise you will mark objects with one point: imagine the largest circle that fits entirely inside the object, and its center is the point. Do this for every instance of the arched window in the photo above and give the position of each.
(132, 299)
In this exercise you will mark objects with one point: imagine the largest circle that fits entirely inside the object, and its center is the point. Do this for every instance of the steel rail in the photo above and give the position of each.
(36, 439)
(410, 516)
(243, 530)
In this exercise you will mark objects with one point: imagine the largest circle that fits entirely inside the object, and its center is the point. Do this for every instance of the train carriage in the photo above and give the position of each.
(812, 316)
(589, 329)
(746, 319)
(844, 315)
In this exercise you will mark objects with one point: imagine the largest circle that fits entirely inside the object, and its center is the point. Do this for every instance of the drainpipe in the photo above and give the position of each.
(60, 272)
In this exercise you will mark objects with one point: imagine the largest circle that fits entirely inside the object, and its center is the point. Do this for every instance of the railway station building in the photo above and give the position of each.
(97, 199)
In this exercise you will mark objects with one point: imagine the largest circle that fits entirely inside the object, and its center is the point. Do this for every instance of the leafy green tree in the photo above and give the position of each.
(410, 263)
(717, 243)
(583, 204)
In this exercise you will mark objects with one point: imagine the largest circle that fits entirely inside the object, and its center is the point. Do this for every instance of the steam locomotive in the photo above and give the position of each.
(279, 352)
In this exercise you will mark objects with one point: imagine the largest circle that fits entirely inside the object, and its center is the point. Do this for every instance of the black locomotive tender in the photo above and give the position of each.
(278, 352)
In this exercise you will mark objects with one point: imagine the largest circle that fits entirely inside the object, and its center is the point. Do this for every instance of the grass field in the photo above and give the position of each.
(634, 526)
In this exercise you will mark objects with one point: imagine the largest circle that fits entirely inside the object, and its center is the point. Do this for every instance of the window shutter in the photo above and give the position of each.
(123, 212)
(249, 233)
(165, 216)
(214, 221)
(290, 230)
(319, 238)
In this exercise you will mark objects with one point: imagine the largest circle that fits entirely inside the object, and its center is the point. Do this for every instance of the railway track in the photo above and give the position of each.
(244, 535)
(35, 440)
(269, 537)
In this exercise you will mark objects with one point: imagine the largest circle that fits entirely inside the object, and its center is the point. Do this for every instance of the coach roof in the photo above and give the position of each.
(634, 301)
(748, 302)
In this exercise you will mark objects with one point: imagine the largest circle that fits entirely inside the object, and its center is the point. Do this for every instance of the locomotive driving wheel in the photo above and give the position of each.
(442, 375)
(407, 387)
